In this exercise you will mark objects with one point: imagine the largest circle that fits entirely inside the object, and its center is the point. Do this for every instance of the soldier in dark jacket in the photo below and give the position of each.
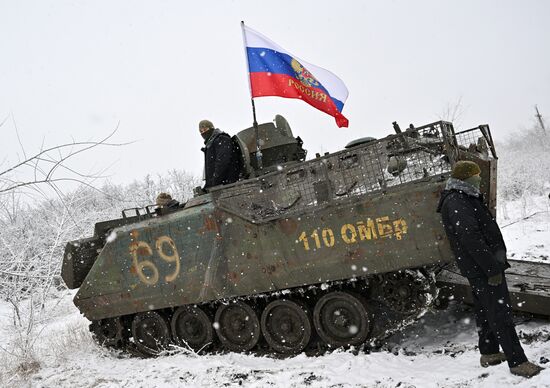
(221, 156)
(480, 254)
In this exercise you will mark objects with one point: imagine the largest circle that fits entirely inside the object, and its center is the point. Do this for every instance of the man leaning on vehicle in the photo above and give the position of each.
(480, 255)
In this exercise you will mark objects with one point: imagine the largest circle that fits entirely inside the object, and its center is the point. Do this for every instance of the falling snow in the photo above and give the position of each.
(111, 237)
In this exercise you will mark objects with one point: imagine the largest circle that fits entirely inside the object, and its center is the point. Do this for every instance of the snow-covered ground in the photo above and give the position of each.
(526, 239)
(438, 351)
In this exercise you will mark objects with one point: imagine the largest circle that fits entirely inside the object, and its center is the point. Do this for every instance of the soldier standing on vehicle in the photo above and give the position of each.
(480, 254)
(221, 156)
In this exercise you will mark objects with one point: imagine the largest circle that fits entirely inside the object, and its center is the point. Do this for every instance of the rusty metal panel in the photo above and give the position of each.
(154, 264)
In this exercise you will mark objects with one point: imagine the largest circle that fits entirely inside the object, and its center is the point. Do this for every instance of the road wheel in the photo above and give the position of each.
(341, 319)
(286, 326)
(238, 326)
(408, 291)
(191, 327)
(108, 332)
(151, 333)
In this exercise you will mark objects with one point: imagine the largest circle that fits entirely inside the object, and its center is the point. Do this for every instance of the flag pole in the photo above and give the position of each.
(254, 123)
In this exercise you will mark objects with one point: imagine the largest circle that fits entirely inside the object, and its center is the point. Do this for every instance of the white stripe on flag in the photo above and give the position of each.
(334, 85)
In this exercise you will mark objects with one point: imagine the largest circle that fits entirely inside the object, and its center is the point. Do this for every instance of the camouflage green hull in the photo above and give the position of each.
(335, 251)
(202, 253)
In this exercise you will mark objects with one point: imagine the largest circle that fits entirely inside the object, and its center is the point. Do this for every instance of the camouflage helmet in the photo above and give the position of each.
(464, 169)
(163, 199)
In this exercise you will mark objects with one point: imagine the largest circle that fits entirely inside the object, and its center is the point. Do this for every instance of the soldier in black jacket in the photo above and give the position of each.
(221, 156)
(480, 255)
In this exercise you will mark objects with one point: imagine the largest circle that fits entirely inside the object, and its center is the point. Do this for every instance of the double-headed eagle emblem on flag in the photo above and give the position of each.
(302, 74)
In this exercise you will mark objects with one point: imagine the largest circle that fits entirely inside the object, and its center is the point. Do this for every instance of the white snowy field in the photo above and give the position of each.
(438, 351)
(526, 239)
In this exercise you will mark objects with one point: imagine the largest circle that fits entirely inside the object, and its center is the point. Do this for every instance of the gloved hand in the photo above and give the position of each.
(495, 280)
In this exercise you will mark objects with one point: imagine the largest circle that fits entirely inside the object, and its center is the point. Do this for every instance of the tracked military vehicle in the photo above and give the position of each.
(338, 250)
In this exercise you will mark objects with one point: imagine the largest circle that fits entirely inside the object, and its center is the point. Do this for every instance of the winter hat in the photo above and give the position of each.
(206, 124)
(163, 199)
(464, 169)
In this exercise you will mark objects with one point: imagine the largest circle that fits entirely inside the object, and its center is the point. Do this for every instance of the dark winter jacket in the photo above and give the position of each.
(472, 231)
(221, 160)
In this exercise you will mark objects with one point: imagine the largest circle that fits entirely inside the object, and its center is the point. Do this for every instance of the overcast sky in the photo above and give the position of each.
(74, 69)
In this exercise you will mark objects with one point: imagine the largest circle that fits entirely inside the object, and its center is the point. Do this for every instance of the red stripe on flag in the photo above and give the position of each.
(283, 85)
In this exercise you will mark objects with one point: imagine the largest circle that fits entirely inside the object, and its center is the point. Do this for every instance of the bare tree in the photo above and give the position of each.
(453, 112)
(50, 166)
(32, 238)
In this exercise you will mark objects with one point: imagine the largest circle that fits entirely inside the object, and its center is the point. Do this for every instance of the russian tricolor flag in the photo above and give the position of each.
(276, 72)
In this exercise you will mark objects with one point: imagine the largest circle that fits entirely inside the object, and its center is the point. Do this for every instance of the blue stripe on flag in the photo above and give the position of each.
(263, 60)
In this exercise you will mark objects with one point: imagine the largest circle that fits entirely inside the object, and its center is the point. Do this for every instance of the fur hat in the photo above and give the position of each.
(206, 124)
(465, 169)
(163, 199)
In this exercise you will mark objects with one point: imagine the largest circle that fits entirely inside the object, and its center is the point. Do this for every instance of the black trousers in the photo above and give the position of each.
(493, 311)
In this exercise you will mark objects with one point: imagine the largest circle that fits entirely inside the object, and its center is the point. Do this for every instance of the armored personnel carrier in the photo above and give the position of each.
(339, 250)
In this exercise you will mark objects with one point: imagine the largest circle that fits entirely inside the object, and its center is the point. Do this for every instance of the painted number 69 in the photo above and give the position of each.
(141, 248)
